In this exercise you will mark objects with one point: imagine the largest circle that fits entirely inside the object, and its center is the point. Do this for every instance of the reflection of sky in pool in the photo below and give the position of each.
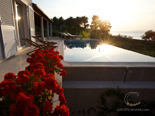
(94, 52)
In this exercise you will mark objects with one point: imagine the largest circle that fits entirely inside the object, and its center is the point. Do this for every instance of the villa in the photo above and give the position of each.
(18, 19)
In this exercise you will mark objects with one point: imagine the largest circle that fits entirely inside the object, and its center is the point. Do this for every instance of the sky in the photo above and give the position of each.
(124, 15)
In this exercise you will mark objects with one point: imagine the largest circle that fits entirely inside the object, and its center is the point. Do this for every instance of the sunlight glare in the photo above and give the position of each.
(104, 49)
(113, 10)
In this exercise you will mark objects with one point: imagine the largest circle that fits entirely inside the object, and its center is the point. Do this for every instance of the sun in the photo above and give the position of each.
(112, 10)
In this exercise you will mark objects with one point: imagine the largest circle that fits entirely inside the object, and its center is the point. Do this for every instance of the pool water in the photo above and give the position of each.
(96, 51)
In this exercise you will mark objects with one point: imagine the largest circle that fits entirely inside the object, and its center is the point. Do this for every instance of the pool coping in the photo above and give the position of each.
(108, 64)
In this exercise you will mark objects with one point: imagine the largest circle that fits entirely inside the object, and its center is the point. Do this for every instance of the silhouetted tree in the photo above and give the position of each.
(101, 27)
(84, 20)
(105, 27)
(149, 35)
(76, 25)
(55, 21)
(95, 22)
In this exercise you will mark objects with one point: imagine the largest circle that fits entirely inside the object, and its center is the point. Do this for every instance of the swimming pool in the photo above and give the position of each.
(96, 51)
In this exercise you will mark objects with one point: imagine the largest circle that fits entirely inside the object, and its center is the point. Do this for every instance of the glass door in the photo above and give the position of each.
(20, 23)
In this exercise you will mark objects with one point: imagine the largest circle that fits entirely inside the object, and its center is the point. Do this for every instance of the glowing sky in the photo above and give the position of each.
(124, 15)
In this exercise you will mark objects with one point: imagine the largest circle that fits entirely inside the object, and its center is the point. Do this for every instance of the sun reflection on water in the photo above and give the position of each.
(104, 49)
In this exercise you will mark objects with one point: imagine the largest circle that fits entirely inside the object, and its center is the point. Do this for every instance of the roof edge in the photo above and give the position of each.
(36, 6)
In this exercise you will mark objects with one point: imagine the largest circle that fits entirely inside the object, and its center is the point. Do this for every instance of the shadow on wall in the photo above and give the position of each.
(1, 45)
(109, 102)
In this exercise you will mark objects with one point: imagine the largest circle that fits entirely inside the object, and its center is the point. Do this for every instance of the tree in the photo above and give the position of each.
(84, 21)
(72, 25)
(55, 21)
(103, 26)
(61, 22)
(95, 22)
(69, 21)
(76, 25)
(149, 35)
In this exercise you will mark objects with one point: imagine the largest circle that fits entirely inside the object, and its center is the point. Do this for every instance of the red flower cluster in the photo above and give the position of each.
(63, 73)
(7, 87)
(47, 106)
(61, 110)
(51, 83)
(31, 91)
(23, 77)
(38, 88)
(10, 76)
(24, 106)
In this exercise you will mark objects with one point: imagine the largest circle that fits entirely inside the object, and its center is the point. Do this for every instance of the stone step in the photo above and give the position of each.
(109, 84)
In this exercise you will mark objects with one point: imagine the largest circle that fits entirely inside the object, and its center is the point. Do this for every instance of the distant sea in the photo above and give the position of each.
(134, 34)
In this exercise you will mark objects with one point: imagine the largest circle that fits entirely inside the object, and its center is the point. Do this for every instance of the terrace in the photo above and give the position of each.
(19, 59)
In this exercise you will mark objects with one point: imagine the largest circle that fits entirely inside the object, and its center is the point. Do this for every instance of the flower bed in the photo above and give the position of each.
(31, 92)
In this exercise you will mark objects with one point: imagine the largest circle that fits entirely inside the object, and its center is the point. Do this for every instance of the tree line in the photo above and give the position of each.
(79, 25)
(71, 25)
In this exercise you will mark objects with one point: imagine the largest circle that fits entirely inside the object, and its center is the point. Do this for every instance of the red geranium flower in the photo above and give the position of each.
(7, 87)
(61, 110)
(47, 106)
(59, 65)
(39, 72)
(51, 83)
(62, 99)
(22, 79)
(61, 57)
(39, 65)
(57, 52)
(21, 73)
(59, 90)
(31, 110)
(13, 110)
(29, 68)
(29, 60)
(24, 98)
(10, 76)
(38, 87)
(63, 73)
(51, 49)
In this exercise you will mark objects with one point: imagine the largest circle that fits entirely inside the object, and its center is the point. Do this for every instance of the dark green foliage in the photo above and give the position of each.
(71, 25)
(114, 94)
(55, 32)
